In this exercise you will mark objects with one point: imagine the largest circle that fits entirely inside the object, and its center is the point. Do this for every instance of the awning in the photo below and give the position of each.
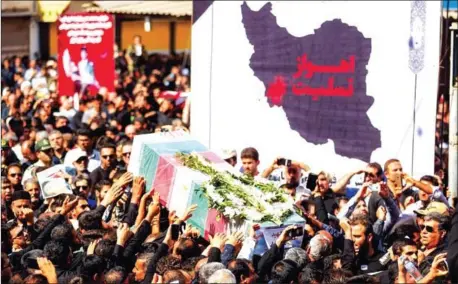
(452, 14)
(165, 8)
(51, 10)
(18, 8)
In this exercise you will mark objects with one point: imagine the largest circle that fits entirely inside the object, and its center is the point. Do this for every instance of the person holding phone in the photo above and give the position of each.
(432, 237)
(400, 184)
(292, 173)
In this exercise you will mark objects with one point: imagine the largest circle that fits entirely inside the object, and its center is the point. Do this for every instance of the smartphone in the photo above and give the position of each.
(175, 231)
(299, 231)
(311, 181)
(398, 182)
(32, 263)
(375, 187)
(284, 162)
(443, 265)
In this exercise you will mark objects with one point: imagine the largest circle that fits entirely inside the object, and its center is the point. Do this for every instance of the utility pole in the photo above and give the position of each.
(453, 122)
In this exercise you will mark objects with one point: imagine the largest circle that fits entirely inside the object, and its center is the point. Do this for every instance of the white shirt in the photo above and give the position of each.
(86, 76)
(18, 151)
(138, 50)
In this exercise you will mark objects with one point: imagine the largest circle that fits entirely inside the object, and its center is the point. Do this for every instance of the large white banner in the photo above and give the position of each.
(332, 84)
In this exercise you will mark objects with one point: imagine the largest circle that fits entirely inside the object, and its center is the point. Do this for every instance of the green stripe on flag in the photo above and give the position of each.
(199, 217)
(148, 166)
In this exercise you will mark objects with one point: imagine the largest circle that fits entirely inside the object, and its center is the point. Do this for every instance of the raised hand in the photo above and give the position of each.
(47, 269)
(218, 241)
(125, 179)
(345, 225)
(153, 209)
(68, 206)
(138, 188)
(191, 232)
(235, 239)
(436, 269)
(91, 247)
(284, 236)
(172, 216)
(123, 234)
(381, 213)
(384, 191)
(253, 230)
(188, 213)
(113, 194)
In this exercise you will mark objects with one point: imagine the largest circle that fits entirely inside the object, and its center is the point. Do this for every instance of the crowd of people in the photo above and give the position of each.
(101, 225)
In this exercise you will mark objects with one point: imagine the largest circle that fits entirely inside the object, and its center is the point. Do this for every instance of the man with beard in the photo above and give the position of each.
(33, 188)
(292, 174)
(7, 194)
(360, 255)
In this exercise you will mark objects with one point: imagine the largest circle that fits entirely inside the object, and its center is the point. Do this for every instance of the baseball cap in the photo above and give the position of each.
(434, 207)
(75, 155)
(228, 153)
(5, 144)
(42, 145)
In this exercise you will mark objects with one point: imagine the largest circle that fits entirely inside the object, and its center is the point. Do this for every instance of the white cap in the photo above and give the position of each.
(74, 155)
(228, 153)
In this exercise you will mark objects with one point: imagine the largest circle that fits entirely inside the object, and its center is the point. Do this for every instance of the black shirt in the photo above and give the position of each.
(98, 175)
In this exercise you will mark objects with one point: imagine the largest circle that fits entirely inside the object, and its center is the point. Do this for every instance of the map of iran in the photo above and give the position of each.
(318, 79)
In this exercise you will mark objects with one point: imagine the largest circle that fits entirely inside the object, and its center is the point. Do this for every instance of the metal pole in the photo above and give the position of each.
(453, 126)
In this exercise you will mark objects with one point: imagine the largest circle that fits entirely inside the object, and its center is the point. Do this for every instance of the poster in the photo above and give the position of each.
(332, 84)
(271, 234)
(85, 53)
(52, 182)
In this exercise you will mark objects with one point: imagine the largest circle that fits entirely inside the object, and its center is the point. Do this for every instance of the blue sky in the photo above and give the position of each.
(453, 4)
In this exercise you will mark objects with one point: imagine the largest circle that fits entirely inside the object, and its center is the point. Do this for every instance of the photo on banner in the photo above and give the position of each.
(85, 53)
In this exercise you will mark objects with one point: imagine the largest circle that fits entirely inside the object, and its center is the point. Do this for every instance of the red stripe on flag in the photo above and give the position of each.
(163, 182)
(216, 223)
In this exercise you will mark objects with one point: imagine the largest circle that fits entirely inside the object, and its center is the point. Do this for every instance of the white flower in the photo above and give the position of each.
(253, 214)
(235, 200)
(238, 211)
(281, 206)
(268, 207)
(269, 195)
(210, 189)
(230, 212)
(217, 198)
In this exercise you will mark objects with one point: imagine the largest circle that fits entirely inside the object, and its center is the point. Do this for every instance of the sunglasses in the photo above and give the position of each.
(106, 157)
(83, 187)
(369, 175)
(16, 174)
(126, 154)
(428, 229)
